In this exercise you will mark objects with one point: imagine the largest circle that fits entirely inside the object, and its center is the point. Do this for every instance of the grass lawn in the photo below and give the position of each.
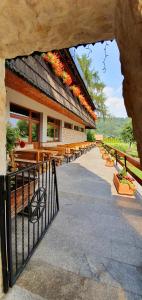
(132, 152)
(135, 171)
(124, 147)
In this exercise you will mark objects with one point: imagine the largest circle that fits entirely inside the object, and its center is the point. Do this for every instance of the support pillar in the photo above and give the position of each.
(3, 122)
(3, 119)
(128, 32)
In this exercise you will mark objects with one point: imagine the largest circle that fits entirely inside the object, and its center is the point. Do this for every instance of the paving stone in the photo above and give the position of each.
(93, 249)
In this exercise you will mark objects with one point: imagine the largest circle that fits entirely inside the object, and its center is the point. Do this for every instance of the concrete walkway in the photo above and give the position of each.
(93, 250)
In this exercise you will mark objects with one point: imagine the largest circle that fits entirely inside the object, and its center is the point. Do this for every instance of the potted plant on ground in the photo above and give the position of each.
(105, 155)
(102, 150)
(124, 183)
(110, 161)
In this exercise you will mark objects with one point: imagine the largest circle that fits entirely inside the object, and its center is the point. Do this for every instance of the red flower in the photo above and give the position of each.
(22, 144)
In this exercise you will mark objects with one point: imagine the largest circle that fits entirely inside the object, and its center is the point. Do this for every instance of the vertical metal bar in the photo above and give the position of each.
(38, 196)
(116, 157)
(57, 196)
(125, 162)
(46, 164)
(23, 233)
(49, 193)
(9, 231)
(29, 179)
(16, 246)
(34, 170)
(41, 195)
(3, 235)
(51, 188)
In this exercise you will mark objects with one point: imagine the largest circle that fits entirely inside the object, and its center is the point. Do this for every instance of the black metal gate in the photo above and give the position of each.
(31, 204)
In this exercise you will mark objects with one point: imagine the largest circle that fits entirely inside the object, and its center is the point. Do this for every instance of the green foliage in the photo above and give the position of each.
(122, 173)
(23, 127)
(110, 127)
(94, 84)
(90, 135)
(127, 133)
(125, 179)
(12, 136)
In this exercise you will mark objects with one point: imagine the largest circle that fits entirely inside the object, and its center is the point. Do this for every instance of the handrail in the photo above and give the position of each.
(118, 155)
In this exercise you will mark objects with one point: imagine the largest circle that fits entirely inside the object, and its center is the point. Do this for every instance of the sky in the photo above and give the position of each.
(112, 78)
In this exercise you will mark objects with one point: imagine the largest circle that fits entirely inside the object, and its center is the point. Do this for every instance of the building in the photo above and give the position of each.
(47, 99)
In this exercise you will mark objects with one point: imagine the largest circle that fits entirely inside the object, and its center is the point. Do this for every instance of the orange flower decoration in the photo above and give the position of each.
(66, 78)
(76, 90)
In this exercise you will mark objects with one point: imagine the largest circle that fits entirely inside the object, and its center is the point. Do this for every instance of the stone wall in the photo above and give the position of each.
(72, 136)
(29, 25)
(128, 32)
(2, 135)
(3, 121)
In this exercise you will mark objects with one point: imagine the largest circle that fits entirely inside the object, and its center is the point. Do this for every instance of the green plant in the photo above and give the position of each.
(94, 84)
(112, 152)
(90, 136)
(126, 179)
(12, 135)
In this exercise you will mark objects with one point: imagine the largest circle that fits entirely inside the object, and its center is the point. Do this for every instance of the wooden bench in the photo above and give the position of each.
(25, 158)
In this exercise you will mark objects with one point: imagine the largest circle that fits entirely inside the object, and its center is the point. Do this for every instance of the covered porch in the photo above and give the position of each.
(93, 249)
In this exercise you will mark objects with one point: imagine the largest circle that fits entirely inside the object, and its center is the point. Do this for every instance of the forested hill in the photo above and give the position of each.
(110, 126)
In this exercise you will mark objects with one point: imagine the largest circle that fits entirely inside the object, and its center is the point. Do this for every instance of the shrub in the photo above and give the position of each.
(90, 136)
(12, 136)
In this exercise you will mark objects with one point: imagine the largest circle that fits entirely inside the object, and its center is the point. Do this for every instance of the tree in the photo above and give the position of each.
(90, 136)
(23, 127)
(94, 85)
(127, 133)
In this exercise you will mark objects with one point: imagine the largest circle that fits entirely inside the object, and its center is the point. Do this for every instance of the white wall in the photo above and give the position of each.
(66, 135)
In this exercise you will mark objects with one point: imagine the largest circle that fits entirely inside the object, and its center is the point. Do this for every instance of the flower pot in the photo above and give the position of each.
(105, 156)
(109, 163)
(102, 151)
(22, 196)
(123, 188)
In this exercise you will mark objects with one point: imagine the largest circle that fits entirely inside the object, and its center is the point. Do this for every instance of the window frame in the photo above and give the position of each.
(30, 121)
(70, 124)
(55, 126)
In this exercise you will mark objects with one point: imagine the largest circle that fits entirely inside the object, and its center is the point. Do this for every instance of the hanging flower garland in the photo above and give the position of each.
(76, 90)
(66, 78)
(54, 60)
(58, 68)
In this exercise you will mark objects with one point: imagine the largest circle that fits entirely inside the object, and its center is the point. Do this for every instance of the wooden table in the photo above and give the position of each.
(37, 152)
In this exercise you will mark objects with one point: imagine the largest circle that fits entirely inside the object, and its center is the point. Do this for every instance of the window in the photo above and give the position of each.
(81, 129)
(53, 129)
(26, 121)
(67, 125)
(76, 127)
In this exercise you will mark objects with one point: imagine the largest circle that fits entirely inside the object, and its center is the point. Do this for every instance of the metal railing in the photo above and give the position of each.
(30, 203)
(126, 161)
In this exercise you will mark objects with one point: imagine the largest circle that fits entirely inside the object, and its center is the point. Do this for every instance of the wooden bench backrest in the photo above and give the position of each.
(25, 155)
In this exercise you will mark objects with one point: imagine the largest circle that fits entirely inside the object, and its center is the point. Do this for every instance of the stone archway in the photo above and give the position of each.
(32, 25)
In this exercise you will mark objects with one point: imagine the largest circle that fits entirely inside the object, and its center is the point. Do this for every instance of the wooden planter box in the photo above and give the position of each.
(109, 163)
(20, 192)
(122, 188)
